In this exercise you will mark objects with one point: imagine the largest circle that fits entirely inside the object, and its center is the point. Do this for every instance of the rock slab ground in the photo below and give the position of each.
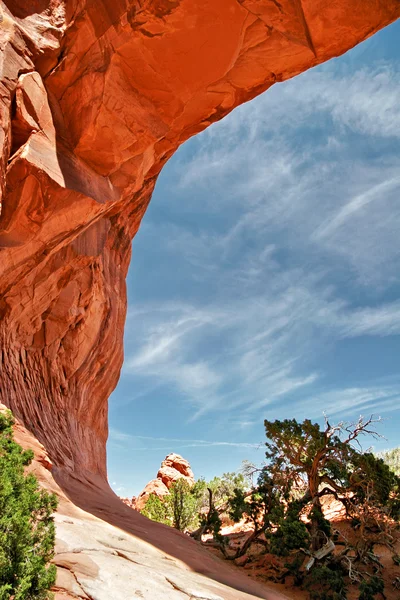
(124, 556)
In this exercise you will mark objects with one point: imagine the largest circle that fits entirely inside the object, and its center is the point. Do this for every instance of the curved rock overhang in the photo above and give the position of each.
(96, 95)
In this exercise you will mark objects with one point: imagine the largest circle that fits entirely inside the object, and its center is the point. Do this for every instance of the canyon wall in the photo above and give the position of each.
(96, 95)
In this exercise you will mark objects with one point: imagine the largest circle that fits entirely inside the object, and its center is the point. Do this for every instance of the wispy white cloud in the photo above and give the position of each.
(168, 352)
(356, 204)
(326, 193)
(177, 442)
(383, 320)
(165, 338)
(263, 341)
(294, 215)
(349, 401)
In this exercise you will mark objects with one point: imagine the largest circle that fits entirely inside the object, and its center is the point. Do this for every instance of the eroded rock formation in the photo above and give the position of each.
(96, 95)
(172, 468)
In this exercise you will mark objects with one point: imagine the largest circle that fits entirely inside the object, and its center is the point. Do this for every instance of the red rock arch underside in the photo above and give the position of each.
(96, 95)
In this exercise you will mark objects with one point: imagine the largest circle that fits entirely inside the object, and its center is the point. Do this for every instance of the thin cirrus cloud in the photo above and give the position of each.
(373, 194)
(295, 210)
(311, 178)
(120, 436)
(258, 363)
(345, 402)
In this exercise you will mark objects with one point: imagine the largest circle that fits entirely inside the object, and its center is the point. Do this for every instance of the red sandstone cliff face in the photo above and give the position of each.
(96, 95)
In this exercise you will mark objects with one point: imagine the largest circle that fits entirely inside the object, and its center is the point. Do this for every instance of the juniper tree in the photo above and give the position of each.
(306, 462)
(179, 508)
(328, 461)
(183, 504)
(27, 532)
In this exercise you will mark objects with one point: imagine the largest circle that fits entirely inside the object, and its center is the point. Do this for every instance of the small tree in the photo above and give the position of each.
(156, 510)
(27, 532)
(306, 462)
(178, 509)
(263, 507)
(214, 500)
(328, 461)
(223, 487)
(182, 504)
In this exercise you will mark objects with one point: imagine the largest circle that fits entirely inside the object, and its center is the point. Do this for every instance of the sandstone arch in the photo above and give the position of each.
(96, 96)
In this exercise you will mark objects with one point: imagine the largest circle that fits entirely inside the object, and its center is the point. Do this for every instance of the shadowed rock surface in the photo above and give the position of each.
(106, 550)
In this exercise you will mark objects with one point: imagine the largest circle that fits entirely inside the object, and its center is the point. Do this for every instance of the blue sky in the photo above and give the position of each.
(265, 277)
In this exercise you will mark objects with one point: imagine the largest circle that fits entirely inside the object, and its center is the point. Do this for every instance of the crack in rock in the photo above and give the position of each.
(192, 594)
(80, 596)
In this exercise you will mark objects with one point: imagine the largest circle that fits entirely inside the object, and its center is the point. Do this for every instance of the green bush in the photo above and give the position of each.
(369, 589)
(178, 509)
(156, 510)
(291, 534)
(392, 459)
(222, 489)
(182, 504)
(27, 532)
(324, 583)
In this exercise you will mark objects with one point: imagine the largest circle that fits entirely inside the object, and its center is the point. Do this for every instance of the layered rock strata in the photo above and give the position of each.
(95, 97)
(172, 468)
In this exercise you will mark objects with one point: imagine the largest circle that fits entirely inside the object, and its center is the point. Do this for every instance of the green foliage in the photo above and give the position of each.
(291, 534)
(306, 452)
(325, 583)
(323, 524)
(156, 510)
(222, 489)
(305, 462)
(27, 532)
(178, 509)
(293, 565)
(327, 460)
(238, 506)
(185, 507)
(371, 475)
(211, 523)
(182, 505)
(392, 459)
(370, 588)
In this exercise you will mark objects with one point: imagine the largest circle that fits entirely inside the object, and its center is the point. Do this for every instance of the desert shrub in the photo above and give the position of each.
(222, 489)
(178, 509)
(156, 510)
(27, 532)
(366, 467)
(182, 505)
(291, 534)
(325, 583)
(371, 587)
(392, 459)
